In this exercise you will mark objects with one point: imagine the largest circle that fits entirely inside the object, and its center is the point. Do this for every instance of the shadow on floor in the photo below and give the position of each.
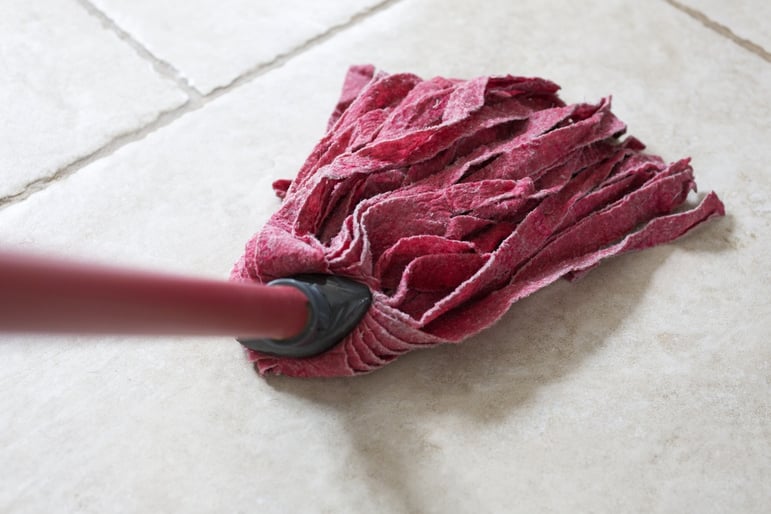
(540, 341)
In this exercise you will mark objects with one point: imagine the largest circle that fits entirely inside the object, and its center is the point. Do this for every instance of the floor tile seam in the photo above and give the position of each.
(723, 30)
(163, 119)
(162, 67)
(281, 59)
(195, 100)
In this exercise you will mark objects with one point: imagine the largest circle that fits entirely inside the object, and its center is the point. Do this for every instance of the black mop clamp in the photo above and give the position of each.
(335, 306)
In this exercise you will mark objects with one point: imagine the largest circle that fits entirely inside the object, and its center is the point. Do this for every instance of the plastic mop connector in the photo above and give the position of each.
(335, 307)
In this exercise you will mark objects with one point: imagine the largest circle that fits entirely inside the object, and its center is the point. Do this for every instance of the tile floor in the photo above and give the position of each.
(147, 134)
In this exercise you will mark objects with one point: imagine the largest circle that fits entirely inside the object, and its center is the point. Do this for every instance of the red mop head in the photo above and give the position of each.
(452, 199)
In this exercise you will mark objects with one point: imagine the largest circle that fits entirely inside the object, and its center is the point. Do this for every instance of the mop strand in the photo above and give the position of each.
(452, 199)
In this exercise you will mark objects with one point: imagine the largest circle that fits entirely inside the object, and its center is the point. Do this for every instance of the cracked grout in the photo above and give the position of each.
(196, 100)
(721, 29)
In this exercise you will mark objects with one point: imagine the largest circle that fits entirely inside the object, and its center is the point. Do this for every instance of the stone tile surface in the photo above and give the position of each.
(746, 18)
(68, 87)
(212, 42)
(641, 388)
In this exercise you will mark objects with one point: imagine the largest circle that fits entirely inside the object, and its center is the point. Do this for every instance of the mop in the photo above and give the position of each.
(427, 209)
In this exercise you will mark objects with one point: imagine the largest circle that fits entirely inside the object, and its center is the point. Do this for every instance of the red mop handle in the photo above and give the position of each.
(50, 296)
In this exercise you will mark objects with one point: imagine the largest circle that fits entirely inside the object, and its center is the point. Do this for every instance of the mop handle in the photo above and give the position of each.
(45, 295)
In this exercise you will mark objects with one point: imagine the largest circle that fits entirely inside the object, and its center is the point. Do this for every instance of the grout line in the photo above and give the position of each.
(282, 58)
(164, 68)
(112, 146)
(196, 99)
(722, 30)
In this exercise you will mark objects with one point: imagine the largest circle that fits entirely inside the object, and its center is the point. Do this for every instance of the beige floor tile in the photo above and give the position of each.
(68, 87)
(212, 42)
(642, 387)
